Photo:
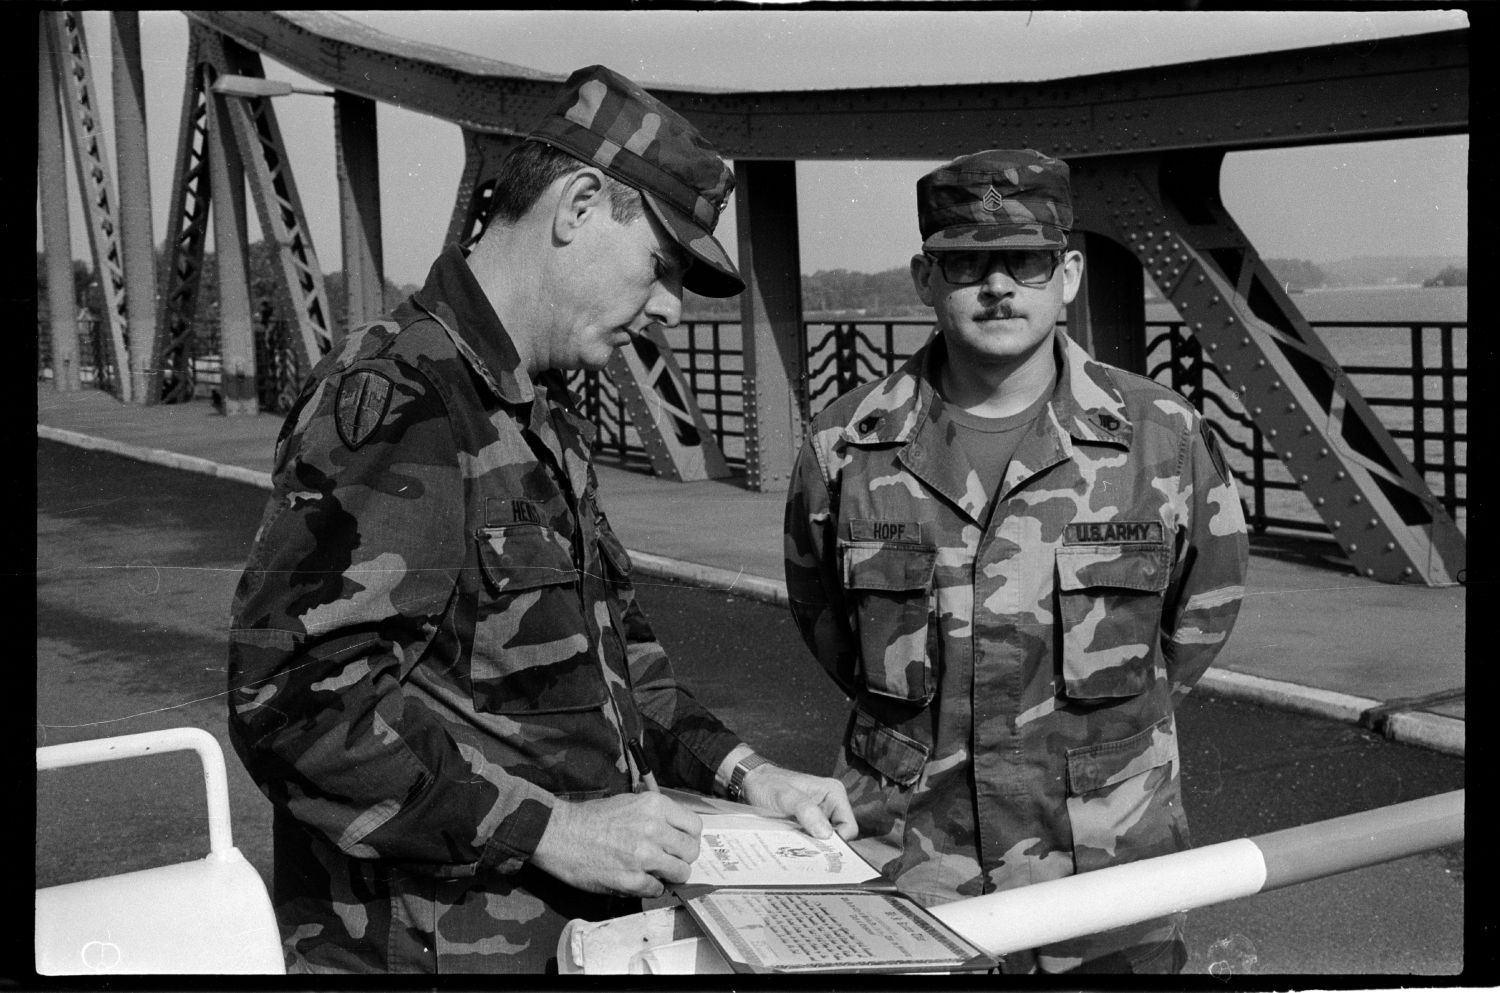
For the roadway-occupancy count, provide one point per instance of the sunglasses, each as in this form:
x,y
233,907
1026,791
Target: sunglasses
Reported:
x,y
1027,266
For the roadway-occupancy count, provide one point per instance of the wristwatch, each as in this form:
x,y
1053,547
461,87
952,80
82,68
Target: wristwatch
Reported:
x,y
736,791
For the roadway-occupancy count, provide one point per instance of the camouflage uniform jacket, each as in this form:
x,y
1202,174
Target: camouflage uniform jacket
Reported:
x,y
435,638
1013,680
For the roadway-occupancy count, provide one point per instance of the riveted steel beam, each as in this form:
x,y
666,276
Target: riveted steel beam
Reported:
x,y
95,180
664,411
1401,87
471,207
232,251
57,238
1167,210
775,378
357,151
187,229
138,248
252,121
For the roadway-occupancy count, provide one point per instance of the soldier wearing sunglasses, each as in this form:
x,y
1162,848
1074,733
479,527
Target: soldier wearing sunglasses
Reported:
x,y
1015,561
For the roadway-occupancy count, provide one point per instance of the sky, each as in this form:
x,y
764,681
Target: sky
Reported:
x,y
1318,203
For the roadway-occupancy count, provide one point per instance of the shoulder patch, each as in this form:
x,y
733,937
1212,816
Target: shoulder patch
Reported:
x,y
363,400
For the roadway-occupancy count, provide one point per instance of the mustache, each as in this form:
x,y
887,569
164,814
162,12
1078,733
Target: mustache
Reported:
x,y
997,313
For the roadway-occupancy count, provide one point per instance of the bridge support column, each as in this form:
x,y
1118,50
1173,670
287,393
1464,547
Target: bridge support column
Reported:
x,y
1166,208
236,334
775,378
95,183
359,209
136,239
57,238
483,154
1108,316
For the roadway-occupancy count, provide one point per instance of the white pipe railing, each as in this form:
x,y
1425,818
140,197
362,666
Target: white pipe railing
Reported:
x,y
1074,906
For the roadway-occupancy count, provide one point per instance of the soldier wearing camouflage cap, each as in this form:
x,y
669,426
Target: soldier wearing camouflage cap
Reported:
x,y
1015,560
439,673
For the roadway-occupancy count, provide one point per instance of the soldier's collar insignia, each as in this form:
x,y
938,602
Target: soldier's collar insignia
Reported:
x,y
363,400
992,200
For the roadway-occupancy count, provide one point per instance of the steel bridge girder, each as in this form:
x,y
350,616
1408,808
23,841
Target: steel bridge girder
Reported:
x,y
1378,507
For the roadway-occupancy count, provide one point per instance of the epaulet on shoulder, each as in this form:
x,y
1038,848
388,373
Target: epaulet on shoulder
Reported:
x,y
1143,391
368,341
840,411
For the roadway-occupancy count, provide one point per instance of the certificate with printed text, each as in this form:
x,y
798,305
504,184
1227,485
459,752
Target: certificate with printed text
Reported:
x,y
830,930
744,846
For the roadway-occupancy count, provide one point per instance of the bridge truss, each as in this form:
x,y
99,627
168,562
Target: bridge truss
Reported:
x,y
1145,146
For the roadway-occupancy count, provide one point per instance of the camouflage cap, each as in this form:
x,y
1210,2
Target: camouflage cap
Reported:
x,y
609,121
999,198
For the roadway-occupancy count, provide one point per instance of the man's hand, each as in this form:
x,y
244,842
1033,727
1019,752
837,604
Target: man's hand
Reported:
x,y
820,804
625,844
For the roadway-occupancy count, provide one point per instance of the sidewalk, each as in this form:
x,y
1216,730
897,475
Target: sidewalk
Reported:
x,y
1312,636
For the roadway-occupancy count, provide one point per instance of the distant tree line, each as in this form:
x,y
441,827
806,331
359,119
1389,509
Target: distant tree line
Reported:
x,y
1297,274
1453,275
261,264
834,291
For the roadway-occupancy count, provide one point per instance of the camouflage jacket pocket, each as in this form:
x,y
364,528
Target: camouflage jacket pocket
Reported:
x,y
531,646
891,586
898,758
1125,798
1109,612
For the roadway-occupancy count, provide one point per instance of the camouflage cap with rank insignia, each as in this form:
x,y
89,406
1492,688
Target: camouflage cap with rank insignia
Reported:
x,y
608,121
999,198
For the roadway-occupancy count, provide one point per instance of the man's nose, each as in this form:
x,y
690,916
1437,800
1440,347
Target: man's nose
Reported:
x,y
997,281
665,306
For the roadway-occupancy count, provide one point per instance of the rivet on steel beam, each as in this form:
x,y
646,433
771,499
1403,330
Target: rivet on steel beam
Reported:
x,y
1244,342
1260,363
1256,411
1358,499
1271,433
1198,326
1374,522
1307,429
1337,524
1275,384
1291,408
1303,477
1406,571
1230,319
1369,571
1319,501
1353,547
1213,346
1286,457
1322,452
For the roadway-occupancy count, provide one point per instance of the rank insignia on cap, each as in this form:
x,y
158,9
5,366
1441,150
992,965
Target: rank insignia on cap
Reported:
x,y
364,396
992,200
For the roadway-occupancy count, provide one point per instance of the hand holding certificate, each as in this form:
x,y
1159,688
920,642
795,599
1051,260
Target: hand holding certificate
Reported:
x,y
772,898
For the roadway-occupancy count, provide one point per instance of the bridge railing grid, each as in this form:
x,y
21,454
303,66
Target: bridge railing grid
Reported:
x,y
1417,385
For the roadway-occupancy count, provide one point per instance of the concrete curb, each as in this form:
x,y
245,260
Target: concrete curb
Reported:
x,y
1434,731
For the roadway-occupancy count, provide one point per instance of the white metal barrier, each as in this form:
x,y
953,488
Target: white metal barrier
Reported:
x,y
206,917
667,941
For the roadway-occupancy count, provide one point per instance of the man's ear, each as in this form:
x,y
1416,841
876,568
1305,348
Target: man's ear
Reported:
x,y
921,277
1072,267
582,194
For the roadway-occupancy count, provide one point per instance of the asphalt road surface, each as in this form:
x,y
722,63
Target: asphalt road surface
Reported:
x,y
136,566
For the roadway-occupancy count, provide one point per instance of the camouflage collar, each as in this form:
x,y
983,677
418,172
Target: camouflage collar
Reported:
x,y
455,300
1086,401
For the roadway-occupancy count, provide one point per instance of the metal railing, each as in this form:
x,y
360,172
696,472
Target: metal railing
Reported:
x,y
1421,397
